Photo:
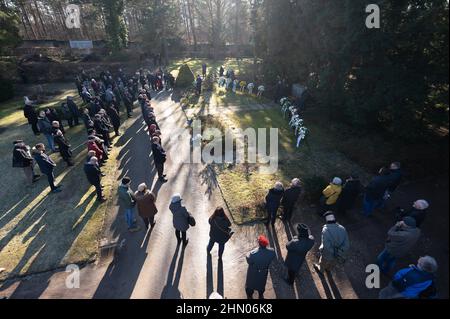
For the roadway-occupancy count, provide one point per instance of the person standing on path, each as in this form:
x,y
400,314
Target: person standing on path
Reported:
x,y
259,261
401,239
159,157
335,244
375,192
46,165
330,195
198,84
350,192
73,108
220,231
297,249
273,199
204,69
31,115
22,158
127,201
45,127
63,147
180,219
145,202
290,198
94,175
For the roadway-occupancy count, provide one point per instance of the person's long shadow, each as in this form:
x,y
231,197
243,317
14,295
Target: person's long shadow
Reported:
x,y
171,290
210,277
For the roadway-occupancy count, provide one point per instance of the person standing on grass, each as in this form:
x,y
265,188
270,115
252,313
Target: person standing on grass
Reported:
x,y
73,108
102,129
94,175
220,231
145,201
350,192
31,115
114,117
45,127
375,192
331,194
401,239
86,117
335,244
273,199
159,158
22,158
180,219
63,147
127,201
204,68
198,85
413,282
297,249
46,165
290,198
258,261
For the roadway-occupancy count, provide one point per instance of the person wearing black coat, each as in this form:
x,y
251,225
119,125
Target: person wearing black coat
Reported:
x,y
395,177
46,165
114,117
297,249
418,211
102,129
53,116
159,157
375,191
22,158
220,231
273,199
63,147
290,197
94,175
32,116
88,123
73,109
350,192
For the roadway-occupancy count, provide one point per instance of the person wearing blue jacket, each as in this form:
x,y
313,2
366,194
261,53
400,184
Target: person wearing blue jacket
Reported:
x,y
414,282
46,165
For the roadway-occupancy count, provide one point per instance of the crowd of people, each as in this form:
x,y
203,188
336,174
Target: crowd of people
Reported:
x,y
103,96
228,80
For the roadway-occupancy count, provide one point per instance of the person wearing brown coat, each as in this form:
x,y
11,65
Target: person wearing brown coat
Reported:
x,y
145,201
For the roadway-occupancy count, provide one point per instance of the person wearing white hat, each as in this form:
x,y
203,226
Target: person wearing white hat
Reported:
x,y
180,219
418,211
145,202
335,244
331,194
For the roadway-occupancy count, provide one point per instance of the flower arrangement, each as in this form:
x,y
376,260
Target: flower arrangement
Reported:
x,y
295,121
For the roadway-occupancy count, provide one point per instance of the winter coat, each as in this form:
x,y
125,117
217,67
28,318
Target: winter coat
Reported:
x,y
44,124
180,216
401,240
273,199
126,197
114,116
92,146
30,113
418,214
220,229
331,193
258,268
63,146
21,156
349,194
335,242
159,154
395,178
145,203
100,127
88,123
377,187
297,249
46,164
93,173
73,108
291,196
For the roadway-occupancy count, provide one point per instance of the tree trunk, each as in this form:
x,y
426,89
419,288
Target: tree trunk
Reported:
x,y
192,23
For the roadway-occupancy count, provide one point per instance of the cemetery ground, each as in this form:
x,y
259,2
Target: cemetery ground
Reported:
x,y
42,233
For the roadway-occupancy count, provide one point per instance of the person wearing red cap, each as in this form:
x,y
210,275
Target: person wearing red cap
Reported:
x,y
258,261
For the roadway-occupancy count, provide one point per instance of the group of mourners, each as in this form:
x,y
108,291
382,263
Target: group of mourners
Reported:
x,y
103,97
229,81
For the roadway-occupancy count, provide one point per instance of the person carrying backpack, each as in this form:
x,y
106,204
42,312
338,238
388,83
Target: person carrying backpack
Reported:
x,y
414,282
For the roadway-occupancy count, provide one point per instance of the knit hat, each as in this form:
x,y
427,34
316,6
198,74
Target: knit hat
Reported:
x,y
337,181
421,204
302,230
176,198
409,221
263,241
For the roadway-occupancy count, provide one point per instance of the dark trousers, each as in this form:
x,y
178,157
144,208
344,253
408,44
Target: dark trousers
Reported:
x,y
181,235
211,245
160,169
291,276
250,292
287,212
149,221
51,180
35,128
98,190
272,216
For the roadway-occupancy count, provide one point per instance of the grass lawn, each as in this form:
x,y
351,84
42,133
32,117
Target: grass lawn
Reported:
x,y
38,231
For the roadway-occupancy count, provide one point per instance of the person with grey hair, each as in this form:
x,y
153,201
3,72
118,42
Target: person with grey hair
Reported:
x,y
335,244
401,239
414,282
145,202
418,211
94,175
290,198
273,200
180,219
